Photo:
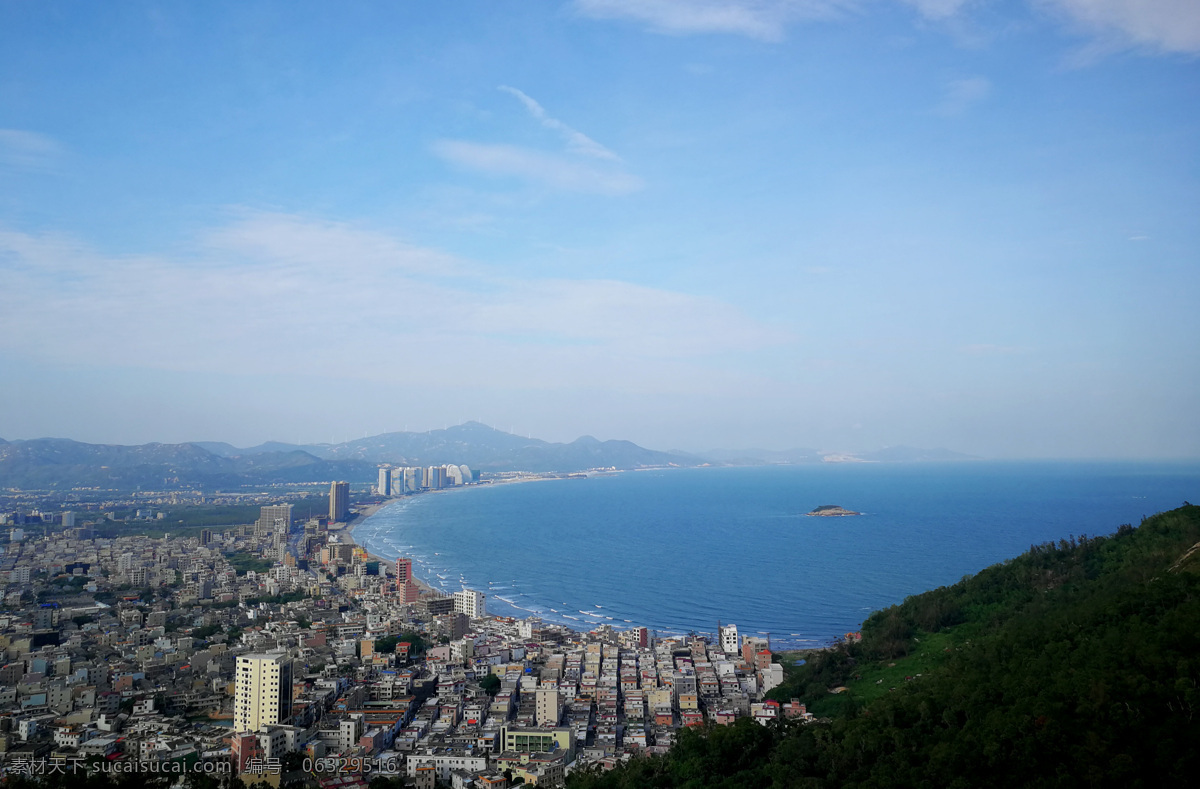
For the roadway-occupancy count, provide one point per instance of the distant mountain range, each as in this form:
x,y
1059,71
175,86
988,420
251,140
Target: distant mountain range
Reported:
x,y
59,463
476,445
56,463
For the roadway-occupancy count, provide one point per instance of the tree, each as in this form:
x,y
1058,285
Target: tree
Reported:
x,y
416,643
490,683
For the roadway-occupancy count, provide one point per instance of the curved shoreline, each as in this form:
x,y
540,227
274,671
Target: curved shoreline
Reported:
x,y
580,622
575,623
366,512
525,601
370,511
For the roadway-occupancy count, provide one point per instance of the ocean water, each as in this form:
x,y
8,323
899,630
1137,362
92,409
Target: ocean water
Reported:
x,y
677,550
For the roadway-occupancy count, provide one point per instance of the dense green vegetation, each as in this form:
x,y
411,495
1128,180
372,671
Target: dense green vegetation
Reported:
x,y
387,644
416,644
184,520
242,562
188,520
294,596
1075,664
210,516
156,529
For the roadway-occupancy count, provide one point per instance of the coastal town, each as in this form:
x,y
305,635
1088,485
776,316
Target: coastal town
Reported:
x,y
281,651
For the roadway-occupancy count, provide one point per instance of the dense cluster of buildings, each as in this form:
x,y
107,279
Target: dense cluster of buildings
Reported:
x,y
282,651
403,480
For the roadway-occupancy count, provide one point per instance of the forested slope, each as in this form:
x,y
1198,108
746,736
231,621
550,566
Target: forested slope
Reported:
x,y
1075,664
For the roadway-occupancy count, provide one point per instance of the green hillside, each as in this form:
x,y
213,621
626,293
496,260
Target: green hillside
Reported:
x,y
1075,664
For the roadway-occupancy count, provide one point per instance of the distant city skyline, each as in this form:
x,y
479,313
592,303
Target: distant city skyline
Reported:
x,y
692,225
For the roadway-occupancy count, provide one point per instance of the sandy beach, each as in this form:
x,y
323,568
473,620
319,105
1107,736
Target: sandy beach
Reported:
x,y
366,511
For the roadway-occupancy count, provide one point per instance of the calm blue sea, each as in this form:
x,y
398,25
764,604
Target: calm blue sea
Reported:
x,y
678,550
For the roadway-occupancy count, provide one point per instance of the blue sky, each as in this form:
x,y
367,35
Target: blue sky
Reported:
x,y
689,223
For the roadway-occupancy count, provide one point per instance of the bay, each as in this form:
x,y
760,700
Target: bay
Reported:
x,y
677,550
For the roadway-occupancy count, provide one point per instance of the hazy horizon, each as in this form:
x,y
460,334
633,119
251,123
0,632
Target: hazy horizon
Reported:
x,y
749,450
692,225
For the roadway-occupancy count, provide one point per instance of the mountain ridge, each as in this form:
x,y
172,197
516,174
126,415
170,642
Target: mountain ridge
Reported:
x,y
54,463
59,463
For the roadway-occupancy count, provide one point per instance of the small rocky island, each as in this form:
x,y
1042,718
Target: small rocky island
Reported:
x,y
832,511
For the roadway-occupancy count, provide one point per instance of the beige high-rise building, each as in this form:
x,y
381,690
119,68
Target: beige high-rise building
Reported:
x,y
339,501
548,710
273,518
263,695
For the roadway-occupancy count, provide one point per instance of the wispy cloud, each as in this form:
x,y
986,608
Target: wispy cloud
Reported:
x,y
577,141
584,166
22,148
766,20
962,94
300,242
276,293
553,170
1166,26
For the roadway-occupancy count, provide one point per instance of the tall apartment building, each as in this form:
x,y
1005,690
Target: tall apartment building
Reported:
x,y
339,501
263,695
273,518
437,477
547,706
470,602
384,485
729,639
406,587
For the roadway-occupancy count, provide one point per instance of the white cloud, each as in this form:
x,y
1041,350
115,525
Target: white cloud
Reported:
x,y
1169,26
553,170
27,149
275,294
762,19
577,142
293,241
1160,25
962,94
